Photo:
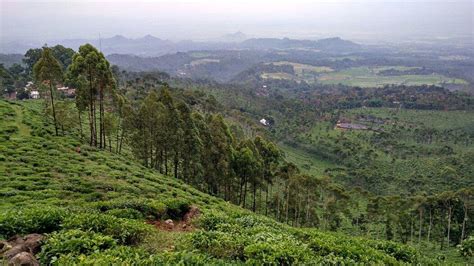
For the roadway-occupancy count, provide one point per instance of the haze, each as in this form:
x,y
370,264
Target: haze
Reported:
x,y
208,20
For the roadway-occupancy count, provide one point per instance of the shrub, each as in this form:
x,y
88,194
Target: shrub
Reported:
x,y
211,220
177,208
269,248
125,231
123,255
400,252
35,219
219,244
466,248
151,208
73,242
125,213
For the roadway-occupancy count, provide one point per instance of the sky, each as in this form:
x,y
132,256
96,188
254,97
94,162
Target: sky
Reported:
x,y
370,20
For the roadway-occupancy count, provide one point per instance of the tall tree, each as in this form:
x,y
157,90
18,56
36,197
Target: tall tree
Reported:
x,y
48,70
95,69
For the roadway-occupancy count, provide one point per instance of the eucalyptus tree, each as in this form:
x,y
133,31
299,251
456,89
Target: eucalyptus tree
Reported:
x,y
270,155
48,70
95,69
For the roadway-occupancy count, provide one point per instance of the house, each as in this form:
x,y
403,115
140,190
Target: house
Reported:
x,y
34,94
350,126
264,122
66,91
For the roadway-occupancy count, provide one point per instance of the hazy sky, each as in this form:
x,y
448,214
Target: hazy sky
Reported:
x,y
207,19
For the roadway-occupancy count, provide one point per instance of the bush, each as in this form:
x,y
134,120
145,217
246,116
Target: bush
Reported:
x,y
466,248
211,220
73,242
219,244
177,208
148,208
125,231
35,219
123,255
126,213
280,249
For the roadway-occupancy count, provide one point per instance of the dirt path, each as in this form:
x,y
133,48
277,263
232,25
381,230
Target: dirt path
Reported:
x,y
23,130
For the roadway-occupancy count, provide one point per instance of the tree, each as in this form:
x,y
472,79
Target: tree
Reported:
x,y
90,65
218,153
467,198
62,54
246,165
6,81
270,155
191,142
48,70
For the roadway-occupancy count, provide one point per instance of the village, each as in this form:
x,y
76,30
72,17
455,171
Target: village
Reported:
x,y
31,91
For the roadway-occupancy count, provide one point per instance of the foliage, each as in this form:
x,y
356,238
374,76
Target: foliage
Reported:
x,y
466,248
73,242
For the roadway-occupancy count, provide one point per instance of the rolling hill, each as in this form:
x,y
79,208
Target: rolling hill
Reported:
x,y
94,207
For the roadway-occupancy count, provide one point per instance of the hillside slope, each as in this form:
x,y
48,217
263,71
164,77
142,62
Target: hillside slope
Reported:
x,y
95,207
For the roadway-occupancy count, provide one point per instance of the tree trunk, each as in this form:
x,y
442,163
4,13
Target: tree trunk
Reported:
x,y
420,225
176,164
121,141
91,110
463,230
430,225
450,209
307,209
80,125
266,198
254,205
287,200
245,193
52,105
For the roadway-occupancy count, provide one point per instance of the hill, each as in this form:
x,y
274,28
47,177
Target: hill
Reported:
x,y
95,207
330,44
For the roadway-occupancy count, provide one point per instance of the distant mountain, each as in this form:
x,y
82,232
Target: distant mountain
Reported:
x,y
234,37
9,59
151,46
168,63
330,45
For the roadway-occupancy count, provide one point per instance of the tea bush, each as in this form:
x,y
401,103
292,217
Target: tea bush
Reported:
x,y
125,231
34,219
73,242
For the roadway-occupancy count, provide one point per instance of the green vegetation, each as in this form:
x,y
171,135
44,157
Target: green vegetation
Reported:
x,y
384,164
369,77
366,77
49,187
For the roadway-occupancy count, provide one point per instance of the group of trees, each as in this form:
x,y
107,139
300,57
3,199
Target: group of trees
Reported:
x,y
15,77
445,217
167,135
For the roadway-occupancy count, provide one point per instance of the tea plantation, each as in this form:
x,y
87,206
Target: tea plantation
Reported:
x,y
98,208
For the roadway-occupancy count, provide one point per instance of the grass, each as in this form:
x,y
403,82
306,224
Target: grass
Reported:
x,y
94,206
306,161
359,76
300,68
203,61
368,77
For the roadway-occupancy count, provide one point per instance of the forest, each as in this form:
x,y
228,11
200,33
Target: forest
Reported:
x,y
406,179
